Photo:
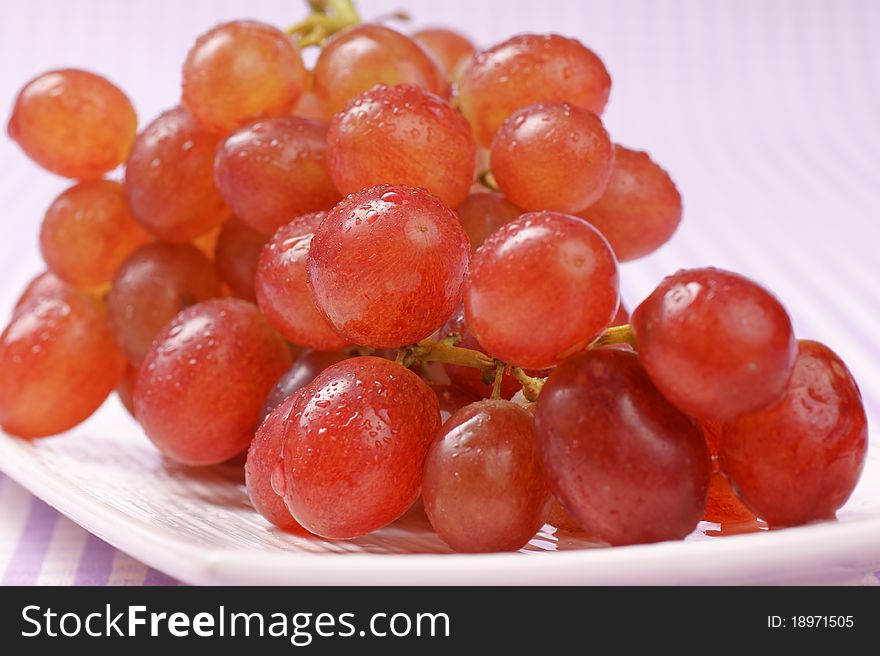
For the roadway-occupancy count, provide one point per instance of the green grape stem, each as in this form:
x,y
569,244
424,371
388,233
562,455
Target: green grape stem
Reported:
x,y
445,351
327,18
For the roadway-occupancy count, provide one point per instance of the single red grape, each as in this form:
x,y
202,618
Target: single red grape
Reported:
x,y
203,382
629,467
239,71
799,459
169,178
302,372
715,343
552,157
282,287
58,363
364,56
402,134
45,285
87,233
73,123
540,289
482,214
355,444
482,483
386,265
275,169
528,69
155,283
451,49
236,253
263,459
640,209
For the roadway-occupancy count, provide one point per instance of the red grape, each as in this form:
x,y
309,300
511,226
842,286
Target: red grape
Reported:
x,y
87,233
275,169
451,49
203,382
800,458
263,459
73,123
640,209
402,134
151,287
451,399
355,444
310,106
239,71
628,466
364,56
540,289
716,344
282,287
559,517
45,285
169,178
386,265
58,363
482,214
236,253
482,483
302,372
556,157
528,69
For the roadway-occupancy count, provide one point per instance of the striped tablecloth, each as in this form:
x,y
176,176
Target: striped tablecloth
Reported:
x,y
766,113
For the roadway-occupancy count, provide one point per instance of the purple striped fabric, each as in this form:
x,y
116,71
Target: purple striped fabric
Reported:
x,y
767,115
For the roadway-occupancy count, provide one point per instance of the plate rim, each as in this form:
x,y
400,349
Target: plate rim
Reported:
x,y
712,561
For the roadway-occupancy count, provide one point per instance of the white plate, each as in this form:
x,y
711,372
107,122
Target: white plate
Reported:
x,y
197,526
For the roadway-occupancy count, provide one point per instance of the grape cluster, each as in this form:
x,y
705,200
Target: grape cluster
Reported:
x,y
318,266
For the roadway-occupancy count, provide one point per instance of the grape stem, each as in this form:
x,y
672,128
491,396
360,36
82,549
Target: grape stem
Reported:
x,y
486,179
327,18
445,351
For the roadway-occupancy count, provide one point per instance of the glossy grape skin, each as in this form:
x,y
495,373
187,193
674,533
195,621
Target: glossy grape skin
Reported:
x,y
482,214
73,123
402,134
236,253
364,56
715,343
528,69
275,169
263,457
302,372
559,517
448,47
540,289
451,399
640,209
552,157
239,71
87,232
45,285
125,388
282,287
722,504
58,363
482,483
799,459
355,445
204,380
387,264
155,283
469,378
169,178
628,466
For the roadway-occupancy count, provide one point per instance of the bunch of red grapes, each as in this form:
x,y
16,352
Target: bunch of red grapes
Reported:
x,y
289,251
